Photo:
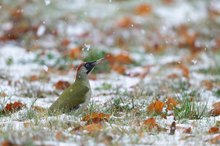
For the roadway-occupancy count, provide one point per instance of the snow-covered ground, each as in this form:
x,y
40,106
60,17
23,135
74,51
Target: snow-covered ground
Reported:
x,y
170,50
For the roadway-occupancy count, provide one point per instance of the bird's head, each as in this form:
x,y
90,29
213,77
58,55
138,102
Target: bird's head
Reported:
x,y
86,67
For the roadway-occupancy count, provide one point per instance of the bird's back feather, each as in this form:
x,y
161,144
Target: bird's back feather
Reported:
x,y
71,98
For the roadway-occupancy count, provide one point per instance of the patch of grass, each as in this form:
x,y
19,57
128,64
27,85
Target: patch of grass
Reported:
x,y
211,70
9,61
217,92
105,86
190,110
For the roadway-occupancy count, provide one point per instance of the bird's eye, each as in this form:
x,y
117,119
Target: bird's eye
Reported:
x,y
87,65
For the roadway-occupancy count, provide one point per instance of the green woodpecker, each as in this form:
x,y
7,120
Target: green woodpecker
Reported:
x,y
77,95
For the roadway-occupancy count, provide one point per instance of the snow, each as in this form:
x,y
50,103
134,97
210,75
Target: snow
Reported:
x,y
17,65
181,12
47,2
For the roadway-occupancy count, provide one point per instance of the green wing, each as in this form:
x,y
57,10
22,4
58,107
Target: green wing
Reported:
x,y
70,99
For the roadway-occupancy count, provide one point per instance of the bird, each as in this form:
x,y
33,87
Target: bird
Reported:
x,y
77,95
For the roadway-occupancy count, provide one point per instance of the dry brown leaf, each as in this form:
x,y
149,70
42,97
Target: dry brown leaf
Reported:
x,y
125,22
216,110
3,94
13,107
213,130
61,85
156,107
185,70
96,117
143,9
215,140
151,124
75,53
8,143
187,130
122,58
33,78
208,84
173,76
60,136
39,109
65,42
94,127
118,68
171,103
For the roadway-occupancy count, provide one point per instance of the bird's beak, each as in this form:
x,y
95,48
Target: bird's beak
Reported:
x,y
91,65
99,61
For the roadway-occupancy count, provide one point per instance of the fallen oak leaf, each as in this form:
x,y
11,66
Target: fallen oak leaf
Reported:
x,y
150,124
13,107
61,85
213,130
75,53
96,117
208,84
143,9
8,143
122,58
118,68
3,94
216,110
125,22
215,140
33,78
60,136
156,107
94,127
185,70
171,103
187,130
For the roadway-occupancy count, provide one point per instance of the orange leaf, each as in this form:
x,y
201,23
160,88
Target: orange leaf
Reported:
x,y
171,103
150,124
75,53
216,110
187,130
12,107
123,58
3,94
118,68
125,22
60,136
156,107
143,9
208,84
94,127
33,78
8,143
215,140
96,117
185,70
173,76
213,130
61,85
65,42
